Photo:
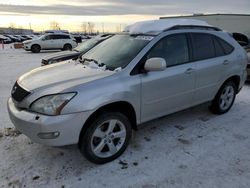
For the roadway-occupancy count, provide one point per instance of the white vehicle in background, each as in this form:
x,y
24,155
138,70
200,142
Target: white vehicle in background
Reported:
x,y
57,31
50,42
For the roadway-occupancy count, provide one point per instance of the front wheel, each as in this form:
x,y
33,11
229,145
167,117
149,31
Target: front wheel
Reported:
x,y
224,98
35,48
106,138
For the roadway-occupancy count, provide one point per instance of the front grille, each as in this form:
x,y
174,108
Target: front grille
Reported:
x,y
18,93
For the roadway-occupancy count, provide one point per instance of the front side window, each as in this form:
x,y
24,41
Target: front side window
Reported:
x,y
48,37
173,48
203,47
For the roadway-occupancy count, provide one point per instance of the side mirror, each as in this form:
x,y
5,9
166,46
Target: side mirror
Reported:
x,y
155,64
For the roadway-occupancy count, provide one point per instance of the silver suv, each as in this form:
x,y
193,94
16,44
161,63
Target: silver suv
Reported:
x,y
153,69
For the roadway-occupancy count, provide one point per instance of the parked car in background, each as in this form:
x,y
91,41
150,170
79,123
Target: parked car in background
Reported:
x,y
27,37
57,31
21,39
241,39
153,69
248,65
13,38
76,52
244,41
77,37
50,42
5,40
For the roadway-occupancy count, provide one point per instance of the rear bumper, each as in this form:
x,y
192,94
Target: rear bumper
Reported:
x,y
67,127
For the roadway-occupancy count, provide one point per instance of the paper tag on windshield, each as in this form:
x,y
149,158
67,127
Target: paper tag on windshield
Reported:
x,y
141,37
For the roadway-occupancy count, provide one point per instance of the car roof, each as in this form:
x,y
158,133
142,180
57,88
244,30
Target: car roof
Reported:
x,y
155,27
57,34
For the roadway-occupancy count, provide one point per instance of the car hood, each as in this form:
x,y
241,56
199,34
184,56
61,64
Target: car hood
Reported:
x,y
61,76
59,55
27,41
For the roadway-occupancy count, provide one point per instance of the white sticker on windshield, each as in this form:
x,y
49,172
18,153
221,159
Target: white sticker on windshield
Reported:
x,y
141,37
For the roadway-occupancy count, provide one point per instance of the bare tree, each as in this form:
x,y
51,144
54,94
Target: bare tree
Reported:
x,y
91,27
84,27
12,25
54,25
119,28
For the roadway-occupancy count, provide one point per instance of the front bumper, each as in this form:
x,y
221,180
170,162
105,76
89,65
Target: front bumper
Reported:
x,y
32,124
26,47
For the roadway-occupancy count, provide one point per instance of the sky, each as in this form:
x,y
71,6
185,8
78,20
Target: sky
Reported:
x,y
110,15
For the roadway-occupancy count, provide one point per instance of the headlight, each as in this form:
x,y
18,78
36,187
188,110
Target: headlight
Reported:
x,y
51,104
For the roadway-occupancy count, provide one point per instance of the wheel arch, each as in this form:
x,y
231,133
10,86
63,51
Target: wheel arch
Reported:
x,y
235,79
121,106
35,44
67,44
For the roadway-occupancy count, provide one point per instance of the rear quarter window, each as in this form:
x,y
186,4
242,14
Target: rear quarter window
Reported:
x,y
227,48
218,48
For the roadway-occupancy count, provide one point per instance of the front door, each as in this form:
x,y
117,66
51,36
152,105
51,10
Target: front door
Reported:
x,y
171,90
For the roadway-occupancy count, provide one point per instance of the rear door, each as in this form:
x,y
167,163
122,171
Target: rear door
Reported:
x,y
211,64
168,91
61,40
48,42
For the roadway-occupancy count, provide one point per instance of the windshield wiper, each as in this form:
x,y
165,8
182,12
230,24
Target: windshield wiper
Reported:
x,y
88,60
95,61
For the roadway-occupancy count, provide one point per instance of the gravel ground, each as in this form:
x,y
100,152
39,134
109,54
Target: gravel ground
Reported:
x,y
192,148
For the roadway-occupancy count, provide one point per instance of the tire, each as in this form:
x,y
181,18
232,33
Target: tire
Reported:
x,y
67,47
35,48
224,99
106,138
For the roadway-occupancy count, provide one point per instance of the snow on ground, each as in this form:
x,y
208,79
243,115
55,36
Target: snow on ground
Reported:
x,y
192,148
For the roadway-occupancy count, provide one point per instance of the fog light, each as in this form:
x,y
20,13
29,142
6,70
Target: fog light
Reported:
x,y
51,135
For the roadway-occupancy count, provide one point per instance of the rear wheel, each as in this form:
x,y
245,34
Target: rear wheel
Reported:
x,y
106,138
224,98
35,48
67,47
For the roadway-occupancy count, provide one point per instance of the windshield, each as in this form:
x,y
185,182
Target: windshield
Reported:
x,y
42,36
117,51
86,46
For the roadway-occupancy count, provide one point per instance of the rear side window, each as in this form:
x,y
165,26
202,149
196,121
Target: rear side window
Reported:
x,y
61,37
203,46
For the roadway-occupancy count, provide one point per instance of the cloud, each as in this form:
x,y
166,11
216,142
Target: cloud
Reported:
x,y
138,7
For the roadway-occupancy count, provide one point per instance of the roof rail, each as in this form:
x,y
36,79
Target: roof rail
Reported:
x,y
201,27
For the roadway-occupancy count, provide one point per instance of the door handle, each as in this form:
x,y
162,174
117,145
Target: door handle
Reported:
x,y
189,71
226,62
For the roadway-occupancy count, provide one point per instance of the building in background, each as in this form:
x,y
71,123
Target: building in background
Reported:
x,y
15,31
234,23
